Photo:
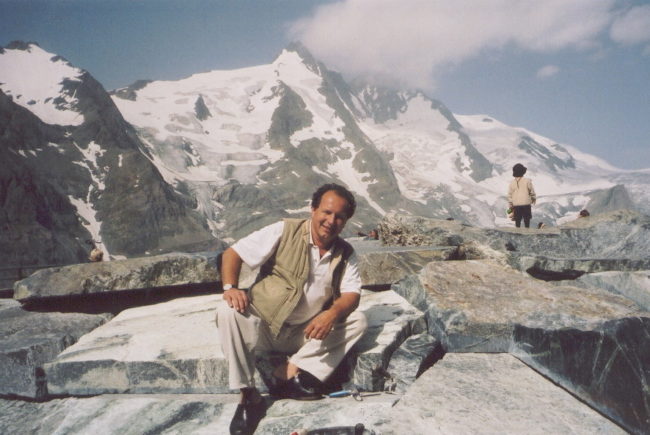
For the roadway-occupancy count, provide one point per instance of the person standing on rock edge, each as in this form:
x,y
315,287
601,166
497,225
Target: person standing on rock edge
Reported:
x,y
521,195
302,304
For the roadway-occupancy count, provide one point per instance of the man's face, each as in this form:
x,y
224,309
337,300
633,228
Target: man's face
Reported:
x,y
328,219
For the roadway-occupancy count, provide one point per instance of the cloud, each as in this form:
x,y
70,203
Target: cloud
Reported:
x,y
547,71
632,27
410,42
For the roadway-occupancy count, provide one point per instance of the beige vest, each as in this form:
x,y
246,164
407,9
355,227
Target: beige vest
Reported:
x,y
282,278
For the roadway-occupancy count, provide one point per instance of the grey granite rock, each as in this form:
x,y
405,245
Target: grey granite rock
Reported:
x,y
556,269
586,339
404,230
462,393
472,306
632,285
414,356
120,415
385,265
121,275
607,366
286,416
391,320
173,347
614,239
489,394
186,274
28,340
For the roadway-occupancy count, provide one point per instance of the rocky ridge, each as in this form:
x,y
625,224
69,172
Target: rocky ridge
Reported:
x,y
463,342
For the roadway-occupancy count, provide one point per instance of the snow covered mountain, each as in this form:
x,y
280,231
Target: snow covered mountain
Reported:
x,y
252,143
71,169
222,153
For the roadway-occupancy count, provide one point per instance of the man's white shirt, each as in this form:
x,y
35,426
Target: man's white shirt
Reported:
x,y
258,247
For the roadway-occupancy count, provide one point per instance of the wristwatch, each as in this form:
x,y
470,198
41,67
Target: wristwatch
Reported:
x,y
227,287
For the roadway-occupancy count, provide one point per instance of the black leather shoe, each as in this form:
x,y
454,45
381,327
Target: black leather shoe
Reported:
x,y
246,418
296,388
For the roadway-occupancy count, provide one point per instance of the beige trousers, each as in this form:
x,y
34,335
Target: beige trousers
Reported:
x,y
244,335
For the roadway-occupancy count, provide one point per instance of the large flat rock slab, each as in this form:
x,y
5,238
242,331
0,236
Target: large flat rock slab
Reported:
x,y
594,343
473,306
167,276
135,414
490,394
120,415
462,393
286,416
632,285
28,340
387,265
173,347
157,271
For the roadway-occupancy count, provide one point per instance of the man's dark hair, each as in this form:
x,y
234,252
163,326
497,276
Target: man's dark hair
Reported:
x,y
340,191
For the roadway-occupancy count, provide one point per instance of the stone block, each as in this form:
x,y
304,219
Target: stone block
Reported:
x,y
385,266
632,285
607,366
131,414
173,347
411,359
165,270
391,320
490,393
28,340
567,333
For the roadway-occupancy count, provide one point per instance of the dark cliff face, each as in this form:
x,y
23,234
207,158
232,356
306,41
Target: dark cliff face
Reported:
x,y
47,171
135,194
38,225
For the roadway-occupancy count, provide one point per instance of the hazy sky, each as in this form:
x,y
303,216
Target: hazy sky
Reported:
x,y
577,71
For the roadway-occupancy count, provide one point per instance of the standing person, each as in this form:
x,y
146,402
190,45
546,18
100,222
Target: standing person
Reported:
x,y
521,195
303,303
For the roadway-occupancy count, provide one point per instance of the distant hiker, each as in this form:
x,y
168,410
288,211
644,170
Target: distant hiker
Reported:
x,y
302,304
521,195
96,254
583,213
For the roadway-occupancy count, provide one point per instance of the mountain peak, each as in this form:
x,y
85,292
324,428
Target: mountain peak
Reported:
x,y
305,55
38,80
21,45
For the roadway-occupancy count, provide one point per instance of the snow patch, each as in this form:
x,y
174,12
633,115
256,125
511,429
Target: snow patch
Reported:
x,y
35,81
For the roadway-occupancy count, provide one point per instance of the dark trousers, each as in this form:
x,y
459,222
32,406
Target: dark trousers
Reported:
x,y
523,212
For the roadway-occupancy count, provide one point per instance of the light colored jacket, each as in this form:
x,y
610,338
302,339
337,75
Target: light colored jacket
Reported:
x,y
521,192
281,280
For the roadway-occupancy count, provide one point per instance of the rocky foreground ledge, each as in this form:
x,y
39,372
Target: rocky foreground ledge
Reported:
x,y
477,345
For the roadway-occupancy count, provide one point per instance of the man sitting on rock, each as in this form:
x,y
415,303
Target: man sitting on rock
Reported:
x,y
302,303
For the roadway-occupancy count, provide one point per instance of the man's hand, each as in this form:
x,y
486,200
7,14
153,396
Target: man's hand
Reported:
x,y
321,325
237,299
